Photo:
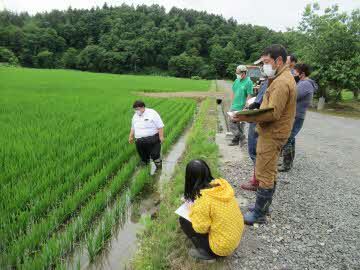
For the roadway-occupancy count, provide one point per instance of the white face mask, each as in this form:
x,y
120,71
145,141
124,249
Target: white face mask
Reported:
x,y
238,76
139,113
268,70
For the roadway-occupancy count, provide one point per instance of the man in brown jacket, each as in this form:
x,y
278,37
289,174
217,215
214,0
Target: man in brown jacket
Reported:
x,y
273,127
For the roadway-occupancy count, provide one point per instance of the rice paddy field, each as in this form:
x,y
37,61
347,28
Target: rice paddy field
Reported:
x,y
65,157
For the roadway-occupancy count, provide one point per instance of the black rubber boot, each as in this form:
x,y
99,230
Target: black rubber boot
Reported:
x,y
158,164
262,204
251,208
235,141
292,153
288,158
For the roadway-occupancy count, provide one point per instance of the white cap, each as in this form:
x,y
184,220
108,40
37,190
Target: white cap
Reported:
x,y
241,68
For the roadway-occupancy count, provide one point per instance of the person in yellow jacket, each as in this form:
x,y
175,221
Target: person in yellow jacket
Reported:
x,y
216,223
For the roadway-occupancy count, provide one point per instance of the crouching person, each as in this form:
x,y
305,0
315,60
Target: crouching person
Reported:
x,y
216,223
148,130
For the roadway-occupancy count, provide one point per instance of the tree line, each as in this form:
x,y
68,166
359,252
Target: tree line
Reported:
x,y
181,42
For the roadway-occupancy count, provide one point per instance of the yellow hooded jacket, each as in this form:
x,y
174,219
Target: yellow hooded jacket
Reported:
x,y
217,213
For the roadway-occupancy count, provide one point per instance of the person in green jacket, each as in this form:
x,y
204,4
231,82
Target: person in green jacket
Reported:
x,y
242,90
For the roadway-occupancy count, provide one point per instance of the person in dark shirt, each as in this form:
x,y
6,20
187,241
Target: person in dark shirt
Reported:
x,y
305,89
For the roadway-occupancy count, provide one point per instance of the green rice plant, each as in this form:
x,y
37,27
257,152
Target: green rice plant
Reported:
x,y
142,179
61,243
41,230
139,182
51,199
63,154
54,197
81,130
91,247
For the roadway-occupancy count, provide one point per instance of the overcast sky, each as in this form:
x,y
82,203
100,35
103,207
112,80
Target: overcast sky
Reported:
x,y
275,14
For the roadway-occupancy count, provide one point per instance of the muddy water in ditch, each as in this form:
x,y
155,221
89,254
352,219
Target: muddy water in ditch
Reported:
x,y
123,245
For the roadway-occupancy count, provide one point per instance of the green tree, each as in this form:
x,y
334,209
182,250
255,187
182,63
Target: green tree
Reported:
x,y
12,37
7,56
331,44
221,58
116,62
143,38
44,59
208,72
91,58
69,58
184,65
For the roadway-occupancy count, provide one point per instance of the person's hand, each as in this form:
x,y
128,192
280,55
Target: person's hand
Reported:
x,y
161,139
239,118
254,105
189,204
131,139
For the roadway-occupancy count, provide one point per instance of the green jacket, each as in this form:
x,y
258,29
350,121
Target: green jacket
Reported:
x,y
241,89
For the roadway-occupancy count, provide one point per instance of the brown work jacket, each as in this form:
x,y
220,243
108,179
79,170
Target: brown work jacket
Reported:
x,y
280,95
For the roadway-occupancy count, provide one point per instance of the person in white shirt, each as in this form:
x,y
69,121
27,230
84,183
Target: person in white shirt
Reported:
x,y
147,129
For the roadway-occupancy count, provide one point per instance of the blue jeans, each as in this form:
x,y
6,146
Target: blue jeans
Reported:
x,y
252,141
289,148
298,123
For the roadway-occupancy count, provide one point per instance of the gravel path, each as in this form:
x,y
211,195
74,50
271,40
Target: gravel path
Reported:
x,y
315,223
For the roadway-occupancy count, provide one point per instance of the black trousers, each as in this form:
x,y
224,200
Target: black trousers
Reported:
x,y
200,241
149,148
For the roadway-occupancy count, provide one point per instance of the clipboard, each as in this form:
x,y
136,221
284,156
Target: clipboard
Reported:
x,y
250,112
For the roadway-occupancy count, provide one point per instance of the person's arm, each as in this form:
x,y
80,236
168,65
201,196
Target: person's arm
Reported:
x,y
200,215
160,126
132,131
232,92
131,136
161,134
277,100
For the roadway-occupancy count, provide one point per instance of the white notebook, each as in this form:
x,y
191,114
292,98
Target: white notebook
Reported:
x,y
183,211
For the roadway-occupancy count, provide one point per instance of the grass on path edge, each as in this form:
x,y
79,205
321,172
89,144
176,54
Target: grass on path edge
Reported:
x,y
348,109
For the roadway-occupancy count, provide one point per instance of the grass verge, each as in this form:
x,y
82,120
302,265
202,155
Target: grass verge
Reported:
x,y
162,245
349,109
